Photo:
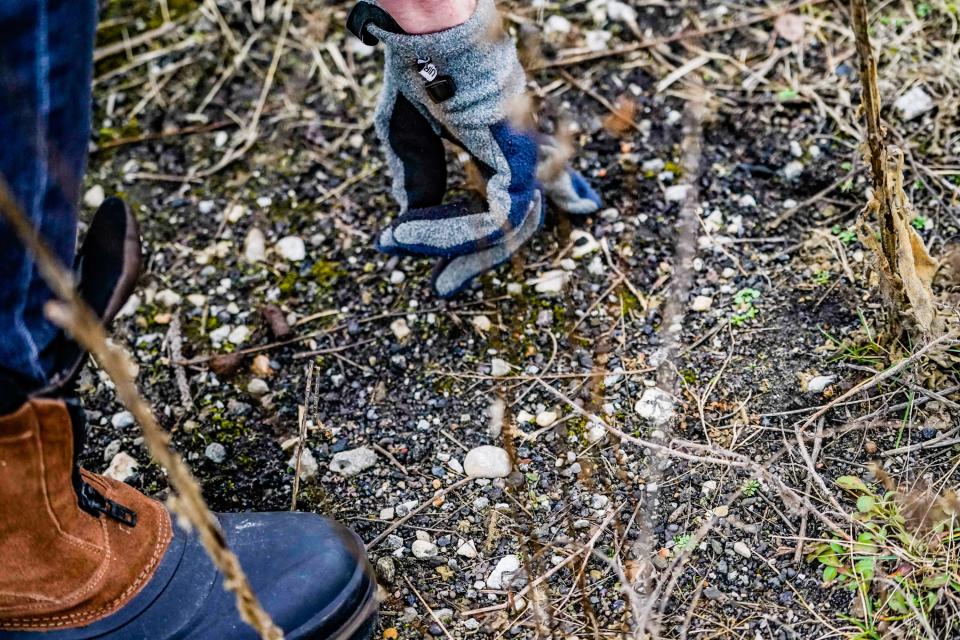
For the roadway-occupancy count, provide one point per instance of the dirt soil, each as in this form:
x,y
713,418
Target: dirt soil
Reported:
x,y
608,528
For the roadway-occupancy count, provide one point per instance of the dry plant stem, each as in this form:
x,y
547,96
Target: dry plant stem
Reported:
x,y
302,437
587,548
79,320
878,378
878,150
398,523
428,608
176,354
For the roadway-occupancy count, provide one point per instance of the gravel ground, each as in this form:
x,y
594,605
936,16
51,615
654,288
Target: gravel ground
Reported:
x,y
553,361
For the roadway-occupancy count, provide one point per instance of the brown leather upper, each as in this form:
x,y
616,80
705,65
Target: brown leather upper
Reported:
x,y
59,565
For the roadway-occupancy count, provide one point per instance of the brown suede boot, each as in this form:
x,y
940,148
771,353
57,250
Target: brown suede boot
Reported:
x,y
84,557
64,566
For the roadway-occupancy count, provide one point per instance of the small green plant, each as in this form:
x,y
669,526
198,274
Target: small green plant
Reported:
x,y
743,307
862,348
750,487
821,277
846,236
786,94
684,542
923,10
902,566
919,223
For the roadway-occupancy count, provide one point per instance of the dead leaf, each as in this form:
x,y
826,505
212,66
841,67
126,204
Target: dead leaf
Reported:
x,y
276,320
620,120
225,365
261,366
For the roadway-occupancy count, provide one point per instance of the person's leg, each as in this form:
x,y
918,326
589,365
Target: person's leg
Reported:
x,y
45,80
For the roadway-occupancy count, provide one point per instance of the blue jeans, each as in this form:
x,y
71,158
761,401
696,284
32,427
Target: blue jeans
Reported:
x,y
46,65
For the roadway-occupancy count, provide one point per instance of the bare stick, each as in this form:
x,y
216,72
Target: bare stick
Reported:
x,y
396,525
73,314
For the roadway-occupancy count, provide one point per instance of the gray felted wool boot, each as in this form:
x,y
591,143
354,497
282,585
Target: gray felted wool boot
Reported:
x,y
460,84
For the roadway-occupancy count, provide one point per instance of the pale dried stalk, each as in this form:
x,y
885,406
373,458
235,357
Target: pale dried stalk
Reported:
x,y
302,436
73,315
905,266
875,132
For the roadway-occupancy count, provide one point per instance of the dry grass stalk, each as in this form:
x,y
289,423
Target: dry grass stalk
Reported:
x,y
302,436
905,267
73,314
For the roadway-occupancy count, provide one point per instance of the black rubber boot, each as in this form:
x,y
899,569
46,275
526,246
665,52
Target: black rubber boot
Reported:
x,y
311,574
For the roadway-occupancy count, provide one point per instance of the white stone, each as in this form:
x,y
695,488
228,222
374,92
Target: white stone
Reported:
x,y
423,549
654,165
292,248
747,200
676,193
524,416
353,461
583,243
387,513
218,335
258,387
167,298
487,461
197,299
130,307
238,335
708,487
122,467
255,246
914,103
94,196
742,549
506,564
556,24
596,267
735,227
596,433
550,282
205,206
701,303
514,288
397,276
467,549
122,420
546,418
597,40
308,464
112,449
793,169
499,367
215,452
235,213
656,405
400,329
818,384
481,323
795,149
